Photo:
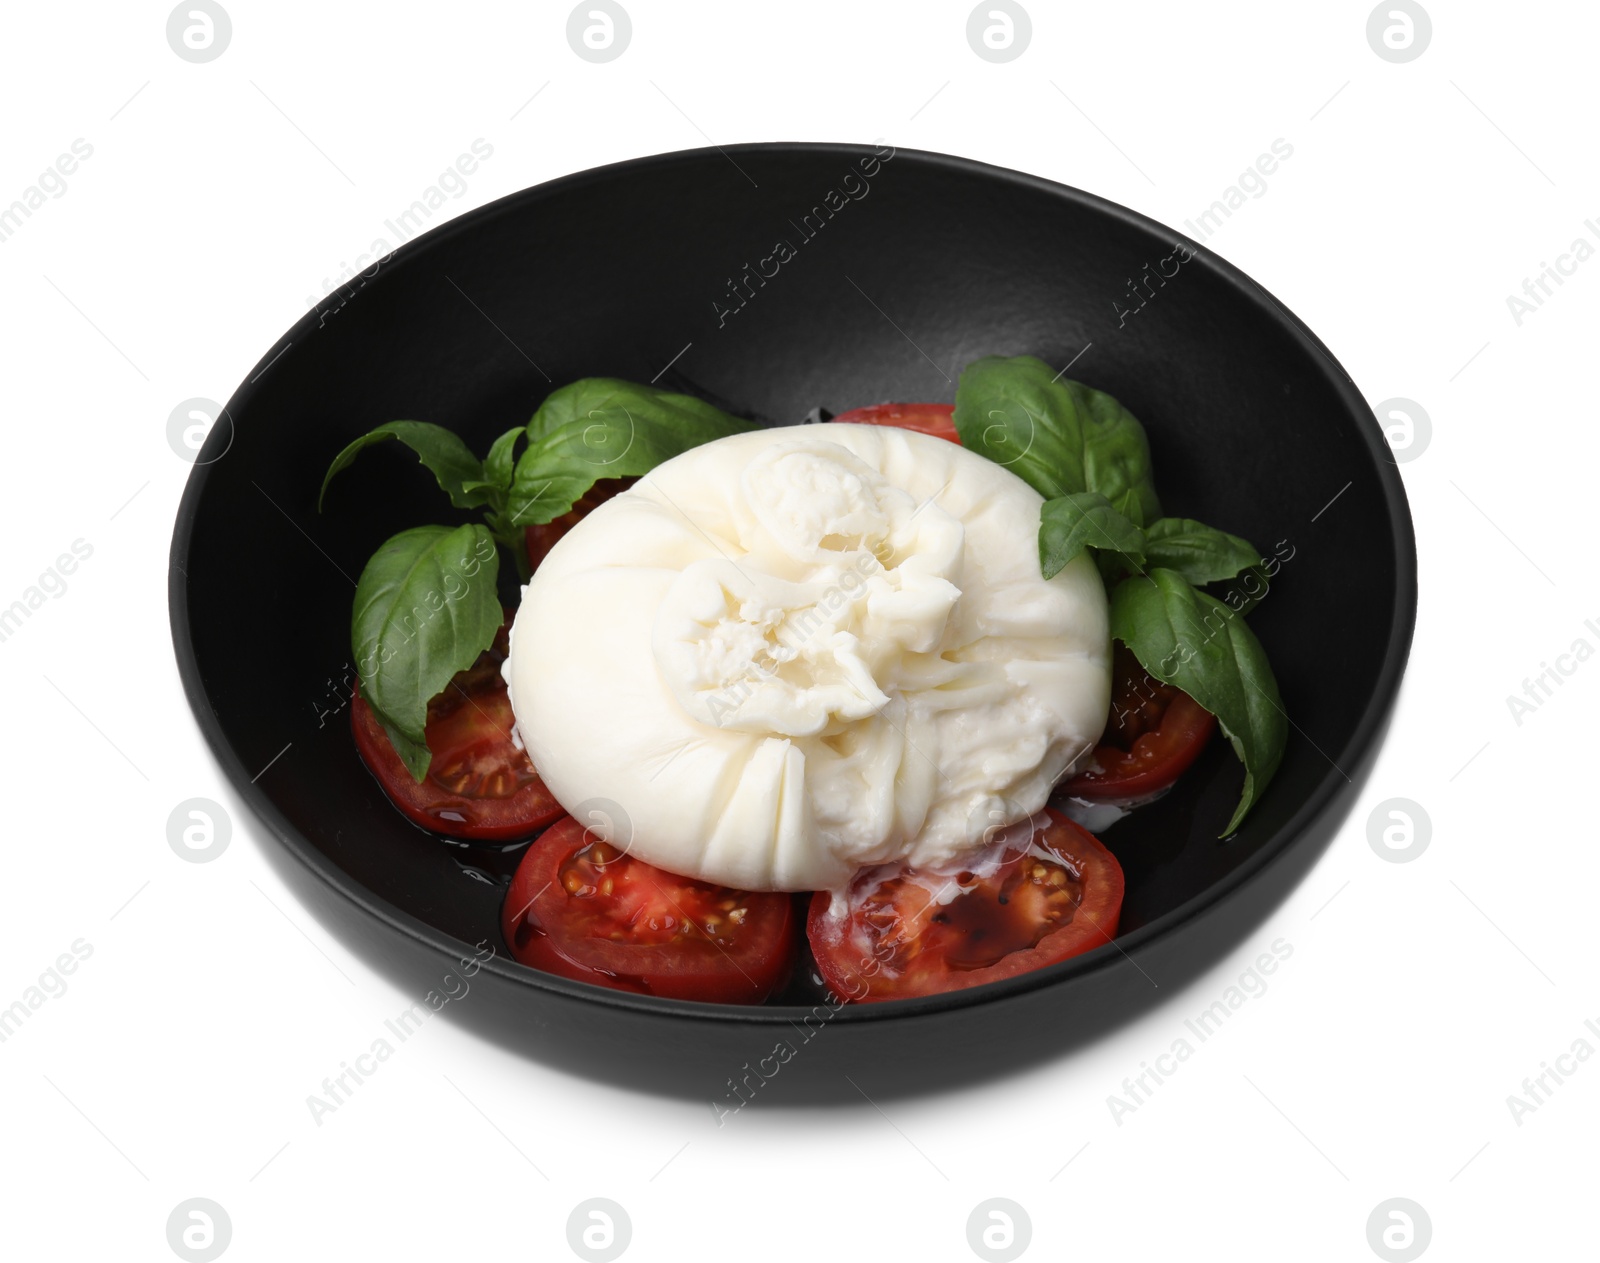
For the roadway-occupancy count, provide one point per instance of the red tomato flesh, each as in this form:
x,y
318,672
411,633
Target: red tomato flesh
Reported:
x,y
582,908
479,784
1154,733
924,418
1044,891
542,538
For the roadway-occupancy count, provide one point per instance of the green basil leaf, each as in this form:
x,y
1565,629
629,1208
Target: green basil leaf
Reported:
x,y
497,468
1195,642
414,754
1069,524
608,403
1200,553
604,428
426,606
1246,590
449,459
1060,437
501,461
1131,507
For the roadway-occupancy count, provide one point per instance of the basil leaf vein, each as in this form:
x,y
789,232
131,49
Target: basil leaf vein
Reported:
x,y
1200,553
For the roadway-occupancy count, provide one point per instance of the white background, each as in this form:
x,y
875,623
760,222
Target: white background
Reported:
x,y
1418,996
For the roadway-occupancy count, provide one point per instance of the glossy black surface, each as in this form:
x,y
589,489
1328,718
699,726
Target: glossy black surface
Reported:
x,y
1253,426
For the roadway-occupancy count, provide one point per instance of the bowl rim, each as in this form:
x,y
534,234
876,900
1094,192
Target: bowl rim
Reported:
x,y
321,867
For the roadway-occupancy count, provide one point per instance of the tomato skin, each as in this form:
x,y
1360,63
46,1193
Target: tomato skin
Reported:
x,y
542,538
1155,732
925,418
582,909
479,785
889,946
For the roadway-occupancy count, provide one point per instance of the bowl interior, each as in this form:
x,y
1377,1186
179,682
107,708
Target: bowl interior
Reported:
x,y
803,276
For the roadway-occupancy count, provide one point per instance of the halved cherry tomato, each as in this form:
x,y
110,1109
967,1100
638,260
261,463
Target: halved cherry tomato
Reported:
x,y
1154,733
582,908
924,418
542,538
1044,890
479,785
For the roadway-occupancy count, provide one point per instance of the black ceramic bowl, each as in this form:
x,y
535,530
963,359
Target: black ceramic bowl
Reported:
x,y
898,270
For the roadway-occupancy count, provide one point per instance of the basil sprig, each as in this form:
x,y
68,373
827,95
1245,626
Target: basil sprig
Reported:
x,y
1088,456
426,604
